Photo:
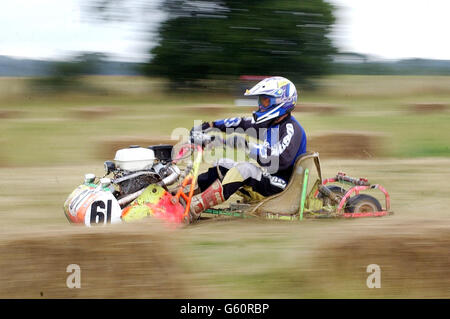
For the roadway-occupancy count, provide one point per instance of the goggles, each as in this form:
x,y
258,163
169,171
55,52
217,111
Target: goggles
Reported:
x,y
264,102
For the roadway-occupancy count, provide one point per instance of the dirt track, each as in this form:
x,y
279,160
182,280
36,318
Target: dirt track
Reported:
x,y
252,259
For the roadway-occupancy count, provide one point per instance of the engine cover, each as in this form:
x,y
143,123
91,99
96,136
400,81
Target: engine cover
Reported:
x,y
134,159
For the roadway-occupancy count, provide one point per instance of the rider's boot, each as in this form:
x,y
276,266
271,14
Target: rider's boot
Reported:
x,y
212,196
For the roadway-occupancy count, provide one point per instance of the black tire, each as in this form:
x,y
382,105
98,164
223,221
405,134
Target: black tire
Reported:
x,y
362,203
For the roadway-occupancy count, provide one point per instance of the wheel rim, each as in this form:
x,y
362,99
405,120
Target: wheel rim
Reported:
x,y
365,208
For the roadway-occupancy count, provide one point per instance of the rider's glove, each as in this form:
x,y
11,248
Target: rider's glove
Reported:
x,y
197,135
237,141
200,128
200,138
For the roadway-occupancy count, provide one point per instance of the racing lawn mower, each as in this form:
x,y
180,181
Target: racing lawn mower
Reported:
x,y
148,182
307,195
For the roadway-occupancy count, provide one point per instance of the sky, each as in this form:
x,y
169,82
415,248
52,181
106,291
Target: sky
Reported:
x,y
54,29
394,28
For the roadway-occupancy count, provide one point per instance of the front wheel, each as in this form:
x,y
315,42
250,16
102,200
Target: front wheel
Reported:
x,y
362,203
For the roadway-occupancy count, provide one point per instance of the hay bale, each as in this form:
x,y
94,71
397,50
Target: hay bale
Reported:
x,y
428,107
6,114
134,262
414,262
94,112
355,145
108,147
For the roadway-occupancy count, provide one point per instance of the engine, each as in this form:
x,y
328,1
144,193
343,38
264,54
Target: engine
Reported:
x,y
136,167
130,183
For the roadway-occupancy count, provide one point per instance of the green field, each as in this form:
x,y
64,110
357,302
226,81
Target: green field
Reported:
x,y
45,129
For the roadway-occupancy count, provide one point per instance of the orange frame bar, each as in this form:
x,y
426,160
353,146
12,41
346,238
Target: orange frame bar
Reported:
x,y
191,180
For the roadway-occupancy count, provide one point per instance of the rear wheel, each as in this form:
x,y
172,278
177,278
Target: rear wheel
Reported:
x,y
362,203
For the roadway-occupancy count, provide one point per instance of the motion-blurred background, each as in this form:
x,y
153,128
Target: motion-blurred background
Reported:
x,y
81,78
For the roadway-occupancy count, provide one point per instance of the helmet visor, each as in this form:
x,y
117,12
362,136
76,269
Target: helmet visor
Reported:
x,y
264,102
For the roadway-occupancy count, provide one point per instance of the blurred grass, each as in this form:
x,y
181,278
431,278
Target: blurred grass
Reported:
x,y
46,128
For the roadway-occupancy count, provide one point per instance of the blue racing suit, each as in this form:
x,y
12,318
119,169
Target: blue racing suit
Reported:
x,y
279,145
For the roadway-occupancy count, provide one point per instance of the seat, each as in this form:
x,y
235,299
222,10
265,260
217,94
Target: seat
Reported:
x,y
288,201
